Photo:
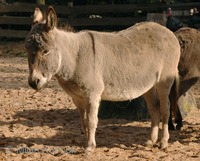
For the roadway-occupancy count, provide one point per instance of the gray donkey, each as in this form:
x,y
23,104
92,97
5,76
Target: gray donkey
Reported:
x,y
93,66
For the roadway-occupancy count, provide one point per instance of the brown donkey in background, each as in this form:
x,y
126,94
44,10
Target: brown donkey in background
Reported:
x,y
189,68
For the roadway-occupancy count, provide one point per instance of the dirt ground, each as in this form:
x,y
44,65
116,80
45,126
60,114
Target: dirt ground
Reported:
x,y
46,126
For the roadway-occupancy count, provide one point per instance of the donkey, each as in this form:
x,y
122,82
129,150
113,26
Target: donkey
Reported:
x,y
93,66
189,67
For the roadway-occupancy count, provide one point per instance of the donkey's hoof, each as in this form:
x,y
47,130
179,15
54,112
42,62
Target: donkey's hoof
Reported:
x,y
179,126
171,127
163,145
149,144
89,149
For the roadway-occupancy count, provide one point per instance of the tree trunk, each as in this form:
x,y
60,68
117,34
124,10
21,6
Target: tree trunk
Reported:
x,y
186,103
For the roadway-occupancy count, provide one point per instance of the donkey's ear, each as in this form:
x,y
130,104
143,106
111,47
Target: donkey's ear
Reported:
x,y
38,17
51,19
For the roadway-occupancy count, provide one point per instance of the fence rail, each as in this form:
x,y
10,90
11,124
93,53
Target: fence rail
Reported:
x,y
16,19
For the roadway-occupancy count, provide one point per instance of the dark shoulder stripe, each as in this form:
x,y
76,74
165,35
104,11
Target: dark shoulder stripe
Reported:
x,y
93,43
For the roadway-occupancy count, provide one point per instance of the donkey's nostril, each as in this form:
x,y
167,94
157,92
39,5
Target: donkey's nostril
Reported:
x,y
34,83
37,81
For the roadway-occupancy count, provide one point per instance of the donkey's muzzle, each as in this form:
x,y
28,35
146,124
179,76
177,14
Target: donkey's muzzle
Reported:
x,y
34,83
37,81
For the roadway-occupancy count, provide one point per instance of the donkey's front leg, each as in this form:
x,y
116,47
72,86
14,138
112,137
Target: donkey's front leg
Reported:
x,y
82,105
82,113
92,118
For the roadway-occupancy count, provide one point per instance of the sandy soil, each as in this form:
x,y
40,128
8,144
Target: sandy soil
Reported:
x,y
46,125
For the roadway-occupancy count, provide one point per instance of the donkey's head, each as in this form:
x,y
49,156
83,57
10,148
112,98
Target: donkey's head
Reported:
x,y
43,58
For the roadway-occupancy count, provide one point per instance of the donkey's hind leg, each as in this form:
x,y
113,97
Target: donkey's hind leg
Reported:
x,y
152,101
163,90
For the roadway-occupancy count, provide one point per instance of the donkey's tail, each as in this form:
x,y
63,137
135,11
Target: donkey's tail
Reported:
x,y
173,97
175,93
177,82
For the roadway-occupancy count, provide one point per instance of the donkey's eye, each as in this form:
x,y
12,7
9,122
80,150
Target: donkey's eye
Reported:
x,y
45,52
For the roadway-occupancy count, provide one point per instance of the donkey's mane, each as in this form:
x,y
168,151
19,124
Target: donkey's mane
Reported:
x,y
67,28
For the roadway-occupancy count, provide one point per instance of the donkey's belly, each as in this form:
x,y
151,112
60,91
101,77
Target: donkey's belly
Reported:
x,y
118,94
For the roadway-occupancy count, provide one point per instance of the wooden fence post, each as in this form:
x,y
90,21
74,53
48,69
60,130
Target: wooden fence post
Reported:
x,y
160,18
70,17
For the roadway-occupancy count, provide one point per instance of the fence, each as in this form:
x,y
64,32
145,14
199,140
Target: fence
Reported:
x,y
16,19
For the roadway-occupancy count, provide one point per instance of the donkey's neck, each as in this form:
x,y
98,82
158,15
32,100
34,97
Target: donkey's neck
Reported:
x,y
67,46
